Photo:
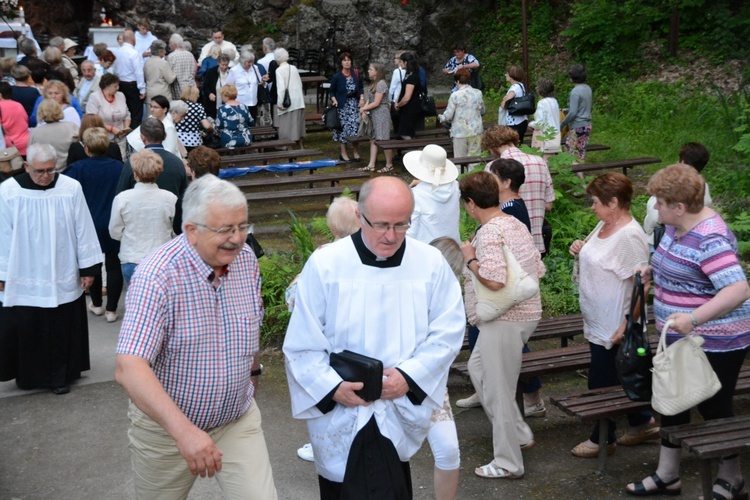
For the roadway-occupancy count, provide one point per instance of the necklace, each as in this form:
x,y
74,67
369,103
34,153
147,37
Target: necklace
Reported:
x,y
616,222
108,99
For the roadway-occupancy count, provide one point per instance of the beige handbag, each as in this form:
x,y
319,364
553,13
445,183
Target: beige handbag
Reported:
x,y
682,375
519,286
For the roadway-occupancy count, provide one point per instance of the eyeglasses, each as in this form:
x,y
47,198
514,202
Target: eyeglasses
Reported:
x,y
46,171
226,230
384,227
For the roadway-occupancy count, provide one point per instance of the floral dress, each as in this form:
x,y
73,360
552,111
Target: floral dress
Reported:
x,y
348,114
233,123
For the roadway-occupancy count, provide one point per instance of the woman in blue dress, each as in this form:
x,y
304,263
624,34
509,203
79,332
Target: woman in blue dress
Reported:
x,y
233,120
347,95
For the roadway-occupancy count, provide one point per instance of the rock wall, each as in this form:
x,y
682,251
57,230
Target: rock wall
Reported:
x,y
373,30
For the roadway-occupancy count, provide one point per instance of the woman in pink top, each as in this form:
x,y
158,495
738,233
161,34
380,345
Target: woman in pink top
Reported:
x,y
15,124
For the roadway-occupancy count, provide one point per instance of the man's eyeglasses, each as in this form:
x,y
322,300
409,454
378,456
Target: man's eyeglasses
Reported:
x,y
226,230
47,171
384,227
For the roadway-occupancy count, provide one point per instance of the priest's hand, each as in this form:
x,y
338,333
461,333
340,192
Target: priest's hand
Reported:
x,y
86,282
200,452
394,386
346,396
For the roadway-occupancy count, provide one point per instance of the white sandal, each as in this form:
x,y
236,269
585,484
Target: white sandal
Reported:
x,y
489,471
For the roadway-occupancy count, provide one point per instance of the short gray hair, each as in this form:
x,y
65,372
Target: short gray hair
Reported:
x,y
281,55
157,46
247,55
178,107
269,43
204,192
27,46
187,46
57,41
41,153
175,39
229,52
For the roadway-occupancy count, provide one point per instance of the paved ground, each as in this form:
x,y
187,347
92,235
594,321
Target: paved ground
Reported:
x,y
75,446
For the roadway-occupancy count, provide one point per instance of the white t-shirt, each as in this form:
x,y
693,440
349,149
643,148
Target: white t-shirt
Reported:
x,y
606,266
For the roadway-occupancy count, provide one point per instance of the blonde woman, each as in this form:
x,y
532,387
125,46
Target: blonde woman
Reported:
x,y
59,134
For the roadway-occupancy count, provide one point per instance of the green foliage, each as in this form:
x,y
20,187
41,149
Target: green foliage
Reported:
x,y
277,271
741,228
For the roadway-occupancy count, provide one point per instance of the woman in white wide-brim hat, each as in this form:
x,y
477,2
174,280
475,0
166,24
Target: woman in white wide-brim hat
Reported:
x,y
436,194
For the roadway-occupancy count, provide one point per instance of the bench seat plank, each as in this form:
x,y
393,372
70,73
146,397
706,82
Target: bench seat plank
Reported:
x,y
332,177
607,165
252,159
300,193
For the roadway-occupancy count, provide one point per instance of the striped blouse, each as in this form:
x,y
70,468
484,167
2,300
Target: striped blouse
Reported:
x,y
689,271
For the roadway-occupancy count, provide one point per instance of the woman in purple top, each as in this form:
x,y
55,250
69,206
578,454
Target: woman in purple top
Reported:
x,y
700,284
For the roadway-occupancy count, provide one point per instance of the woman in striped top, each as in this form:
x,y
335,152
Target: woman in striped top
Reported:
x,y
700,284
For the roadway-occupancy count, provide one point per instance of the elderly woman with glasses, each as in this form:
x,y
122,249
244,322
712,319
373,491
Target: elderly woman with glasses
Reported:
x,y
495,362
247,77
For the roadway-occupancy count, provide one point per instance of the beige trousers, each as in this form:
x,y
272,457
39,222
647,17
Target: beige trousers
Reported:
x,y
467,146
161,473
494,366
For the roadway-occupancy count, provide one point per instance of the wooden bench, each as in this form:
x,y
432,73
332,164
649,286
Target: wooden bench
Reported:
x,y
331,191
332,177
259,146
419,134
712,439
419,143
264,132
610,402
289,155
607,165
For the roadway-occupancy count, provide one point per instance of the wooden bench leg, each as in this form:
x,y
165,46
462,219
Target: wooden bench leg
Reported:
x,y
706,483
603,428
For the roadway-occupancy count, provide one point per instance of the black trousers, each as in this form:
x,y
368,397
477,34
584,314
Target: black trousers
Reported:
x,y
114,283
521,129
133,101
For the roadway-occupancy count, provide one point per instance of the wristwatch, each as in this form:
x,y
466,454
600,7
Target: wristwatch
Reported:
x,y
259,371
693,320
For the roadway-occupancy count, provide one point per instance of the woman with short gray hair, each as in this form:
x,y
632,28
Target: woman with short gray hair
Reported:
x,y
158,74
247,77
290,120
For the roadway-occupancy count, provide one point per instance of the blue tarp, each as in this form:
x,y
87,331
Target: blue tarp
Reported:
x,y
228,173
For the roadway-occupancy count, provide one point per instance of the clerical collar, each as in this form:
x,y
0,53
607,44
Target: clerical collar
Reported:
x,y
24,180
370,259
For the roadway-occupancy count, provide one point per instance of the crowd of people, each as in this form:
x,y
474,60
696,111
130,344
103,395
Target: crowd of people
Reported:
x,y
128,184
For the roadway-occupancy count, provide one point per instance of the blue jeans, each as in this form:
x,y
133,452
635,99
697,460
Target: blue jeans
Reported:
x,y
128,268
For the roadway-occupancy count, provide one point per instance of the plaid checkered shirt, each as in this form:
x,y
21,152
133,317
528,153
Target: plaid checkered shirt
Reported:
x,y
199,339
536,191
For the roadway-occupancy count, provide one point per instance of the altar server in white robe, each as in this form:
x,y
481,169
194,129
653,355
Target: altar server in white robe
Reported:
x,y
49,254
386,296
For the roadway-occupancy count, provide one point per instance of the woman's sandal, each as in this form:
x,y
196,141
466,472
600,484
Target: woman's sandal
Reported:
x,y
662,488
735,492
386,169
367,168
489,471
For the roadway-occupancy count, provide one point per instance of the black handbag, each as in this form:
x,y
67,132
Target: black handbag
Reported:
x,y
634,357
427,105
659,231
523,105
253,243
353,367
331,118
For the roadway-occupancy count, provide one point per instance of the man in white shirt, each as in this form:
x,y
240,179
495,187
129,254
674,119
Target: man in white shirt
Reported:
x,y
128,67
218,39
268,47
87,84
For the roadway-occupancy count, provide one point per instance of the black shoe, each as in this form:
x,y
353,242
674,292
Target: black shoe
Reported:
x,y
342,160
63,389
357,159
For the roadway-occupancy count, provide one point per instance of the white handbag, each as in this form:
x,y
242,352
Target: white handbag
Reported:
x,y
683,377
519,286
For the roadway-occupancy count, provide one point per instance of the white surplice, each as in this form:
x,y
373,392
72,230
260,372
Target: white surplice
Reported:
x,y
410,317
46,236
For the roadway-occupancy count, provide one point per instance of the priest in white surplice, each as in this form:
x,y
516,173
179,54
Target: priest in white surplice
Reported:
x,y
389,297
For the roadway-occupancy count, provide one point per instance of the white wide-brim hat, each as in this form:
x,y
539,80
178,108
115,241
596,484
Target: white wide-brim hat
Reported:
x,y
68,44
431,165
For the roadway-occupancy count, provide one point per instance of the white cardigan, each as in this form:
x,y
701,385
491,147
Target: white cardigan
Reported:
x,y
288,74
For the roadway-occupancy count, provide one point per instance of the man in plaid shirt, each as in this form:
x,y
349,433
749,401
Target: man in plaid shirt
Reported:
x,y
183,66
187,355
